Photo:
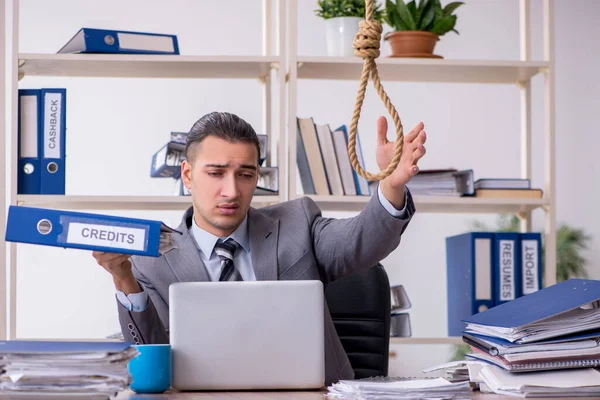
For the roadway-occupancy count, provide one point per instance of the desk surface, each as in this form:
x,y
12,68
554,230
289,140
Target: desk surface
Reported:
x,y
281,395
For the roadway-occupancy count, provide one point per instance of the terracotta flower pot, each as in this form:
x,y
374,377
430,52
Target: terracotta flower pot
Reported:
x,y
412,43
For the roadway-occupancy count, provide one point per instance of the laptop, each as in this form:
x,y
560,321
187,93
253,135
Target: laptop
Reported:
x,y
247,335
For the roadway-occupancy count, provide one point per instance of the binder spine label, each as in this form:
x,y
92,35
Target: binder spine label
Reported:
x,y
483,269
107,236
529,249
507,270
52,125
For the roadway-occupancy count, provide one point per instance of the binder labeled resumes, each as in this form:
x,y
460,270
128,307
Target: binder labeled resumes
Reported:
x,y
90,40
469,259
87,231
41,141
507,280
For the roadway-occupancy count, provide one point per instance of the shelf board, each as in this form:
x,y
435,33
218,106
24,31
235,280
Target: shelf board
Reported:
x,y
421,69
417,340
121,202
146,66
435,204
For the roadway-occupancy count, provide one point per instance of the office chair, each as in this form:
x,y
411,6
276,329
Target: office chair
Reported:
x,y
360,308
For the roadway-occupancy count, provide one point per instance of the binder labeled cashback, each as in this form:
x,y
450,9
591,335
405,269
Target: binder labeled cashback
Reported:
x,y
41,141
87,231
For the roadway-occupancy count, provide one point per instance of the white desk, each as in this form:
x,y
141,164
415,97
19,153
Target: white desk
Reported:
x,y
281,395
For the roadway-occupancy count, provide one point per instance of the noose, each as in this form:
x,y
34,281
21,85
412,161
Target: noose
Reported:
x,y
366,46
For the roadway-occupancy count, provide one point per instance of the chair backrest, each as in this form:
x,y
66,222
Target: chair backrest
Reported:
x,y
360,307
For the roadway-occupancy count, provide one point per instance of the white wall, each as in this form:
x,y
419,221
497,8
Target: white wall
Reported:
x,y
116,124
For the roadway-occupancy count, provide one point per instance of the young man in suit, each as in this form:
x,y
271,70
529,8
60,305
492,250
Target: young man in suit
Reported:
x,y
226,239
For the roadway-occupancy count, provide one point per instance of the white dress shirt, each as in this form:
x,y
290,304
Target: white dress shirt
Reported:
x,y
206,242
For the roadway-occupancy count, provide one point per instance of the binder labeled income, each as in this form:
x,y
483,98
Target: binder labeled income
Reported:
x,y
88,231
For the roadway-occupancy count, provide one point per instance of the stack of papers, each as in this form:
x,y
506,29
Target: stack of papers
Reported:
x,y
572,383
400,388
557,327
443,182
69,368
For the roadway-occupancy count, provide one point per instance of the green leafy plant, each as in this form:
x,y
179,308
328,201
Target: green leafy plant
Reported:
x,y
570,242
427,15
347,8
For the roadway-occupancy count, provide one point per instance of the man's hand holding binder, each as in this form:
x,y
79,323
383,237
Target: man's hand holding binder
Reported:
x,y
119,266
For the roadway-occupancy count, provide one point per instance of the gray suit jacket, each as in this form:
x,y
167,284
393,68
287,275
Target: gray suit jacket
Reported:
x,y
289,241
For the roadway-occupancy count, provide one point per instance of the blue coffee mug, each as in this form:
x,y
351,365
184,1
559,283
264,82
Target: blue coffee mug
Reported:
x,y
151,369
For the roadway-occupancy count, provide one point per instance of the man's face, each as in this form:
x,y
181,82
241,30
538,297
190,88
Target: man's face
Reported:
x,y
222,180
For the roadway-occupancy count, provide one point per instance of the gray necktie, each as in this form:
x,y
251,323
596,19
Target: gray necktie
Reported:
x,y
226,251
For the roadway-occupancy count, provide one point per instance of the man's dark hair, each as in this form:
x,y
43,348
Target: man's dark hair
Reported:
x,y
223,125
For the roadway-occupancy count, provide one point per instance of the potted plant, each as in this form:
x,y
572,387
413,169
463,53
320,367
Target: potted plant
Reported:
x,y
341,21
418,27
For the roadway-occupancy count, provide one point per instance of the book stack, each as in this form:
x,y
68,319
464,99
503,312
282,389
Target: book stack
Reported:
x,y
64,368
556,328
442,182
506,188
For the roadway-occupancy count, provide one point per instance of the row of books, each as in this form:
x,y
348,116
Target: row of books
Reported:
x,y
324,168
323,162
487,269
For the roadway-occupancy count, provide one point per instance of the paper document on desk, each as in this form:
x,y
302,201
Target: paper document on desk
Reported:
x,y
400,388
566,383
64,367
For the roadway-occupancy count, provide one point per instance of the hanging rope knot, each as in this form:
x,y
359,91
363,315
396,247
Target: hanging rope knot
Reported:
x,y
366,46
368,39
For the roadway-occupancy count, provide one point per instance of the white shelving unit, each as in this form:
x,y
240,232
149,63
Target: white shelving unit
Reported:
x,y
272,68
3,297
516,72
268,68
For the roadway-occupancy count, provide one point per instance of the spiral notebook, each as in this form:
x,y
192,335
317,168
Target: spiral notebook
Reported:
x,y
537,365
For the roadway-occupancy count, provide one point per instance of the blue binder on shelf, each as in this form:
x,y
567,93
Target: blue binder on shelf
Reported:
x,y
530,244
52,140
87,231
469,258
507,275
92,40
28,148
